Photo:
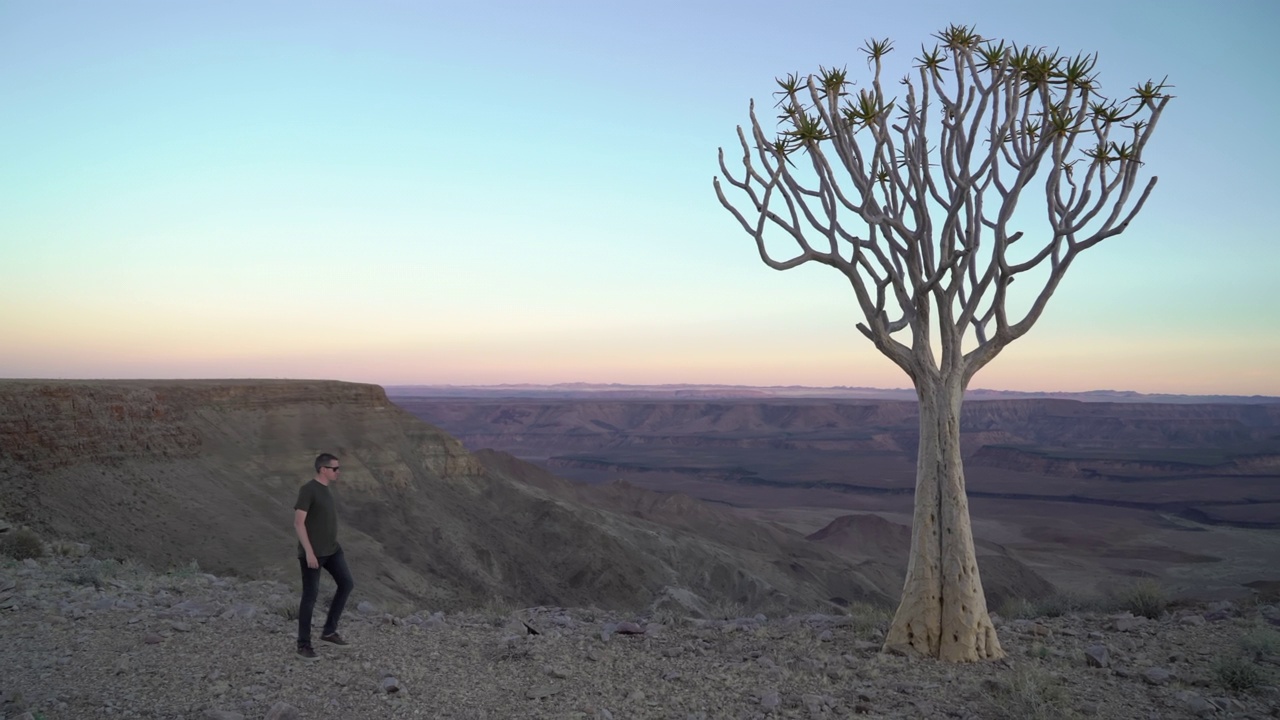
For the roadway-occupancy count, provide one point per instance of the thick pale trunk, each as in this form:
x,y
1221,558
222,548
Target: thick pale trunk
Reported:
x,y
943,611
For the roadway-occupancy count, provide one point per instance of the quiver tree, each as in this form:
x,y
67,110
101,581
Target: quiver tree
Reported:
x,y
914,201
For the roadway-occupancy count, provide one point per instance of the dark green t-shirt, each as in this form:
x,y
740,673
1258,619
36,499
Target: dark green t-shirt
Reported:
x,y
322,518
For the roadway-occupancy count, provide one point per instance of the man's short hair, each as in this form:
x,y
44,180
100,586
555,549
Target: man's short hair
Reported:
x,y
324,459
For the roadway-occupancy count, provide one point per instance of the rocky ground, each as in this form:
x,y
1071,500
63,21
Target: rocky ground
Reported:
x,y
84,638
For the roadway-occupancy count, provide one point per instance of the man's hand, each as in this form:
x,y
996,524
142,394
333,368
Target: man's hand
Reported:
x,y
312,562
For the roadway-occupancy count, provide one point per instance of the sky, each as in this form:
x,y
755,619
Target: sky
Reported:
x,y
513,192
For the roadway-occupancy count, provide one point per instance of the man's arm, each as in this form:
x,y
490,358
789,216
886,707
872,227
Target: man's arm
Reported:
x,y
300,527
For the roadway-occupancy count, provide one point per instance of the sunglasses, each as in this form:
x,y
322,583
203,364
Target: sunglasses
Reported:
x,y
334,468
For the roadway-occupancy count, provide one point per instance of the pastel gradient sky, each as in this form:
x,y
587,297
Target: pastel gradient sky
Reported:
x,y
494,192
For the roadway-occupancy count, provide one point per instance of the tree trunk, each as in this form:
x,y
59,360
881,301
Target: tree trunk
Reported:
x,y
943,611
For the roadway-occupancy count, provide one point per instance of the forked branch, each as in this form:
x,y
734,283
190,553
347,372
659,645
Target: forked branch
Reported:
x,y
916,200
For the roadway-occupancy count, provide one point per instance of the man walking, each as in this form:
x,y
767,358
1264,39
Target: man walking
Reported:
x,y
315,520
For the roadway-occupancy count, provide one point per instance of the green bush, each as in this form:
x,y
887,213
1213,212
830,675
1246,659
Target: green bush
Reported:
x,y
1237,673
21,544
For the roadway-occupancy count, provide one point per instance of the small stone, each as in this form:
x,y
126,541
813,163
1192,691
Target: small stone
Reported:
x,y
826,636
770,700
1129,623
1192,620
1156,676
629,628
390,685
541,692
1197,704
1097,656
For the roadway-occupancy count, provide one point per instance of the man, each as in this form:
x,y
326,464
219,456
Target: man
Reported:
x,y
315,520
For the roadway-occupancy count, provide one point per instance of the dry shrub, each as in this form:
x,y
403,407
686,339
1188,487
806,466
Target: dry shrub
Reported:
x,y
1261,641
287,610
1017,609
1237,673
1068,603
21,544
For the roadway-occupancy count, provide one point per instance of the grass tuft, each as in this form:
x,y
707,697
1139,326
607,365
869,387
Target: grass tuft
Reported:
x,y
1031,694
867,617
1146,598
1052,606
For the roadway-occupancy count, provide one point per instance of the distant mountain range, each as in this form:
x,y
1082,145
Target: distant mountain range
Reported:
x,y
617,391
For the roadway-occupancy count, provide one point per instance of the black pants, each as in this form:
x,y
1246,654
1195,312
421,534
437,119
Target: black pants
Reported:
x,y
336,564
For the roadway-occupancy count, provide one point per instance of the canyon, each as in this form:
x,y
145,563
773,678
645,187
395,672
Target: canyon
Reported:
x,y
1083,494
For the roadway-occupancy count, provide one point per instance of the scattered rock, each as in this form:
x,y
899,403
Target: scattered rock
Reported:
x,y
1129,623
679,601
1097,656
241,663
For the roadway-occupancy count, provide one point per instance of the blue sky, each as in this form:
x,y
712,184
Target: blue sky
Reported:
x,y
401,192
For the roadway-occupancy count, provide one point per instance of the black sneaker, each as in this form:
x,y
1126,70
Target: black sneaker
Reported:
x,y
334,638
307,652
